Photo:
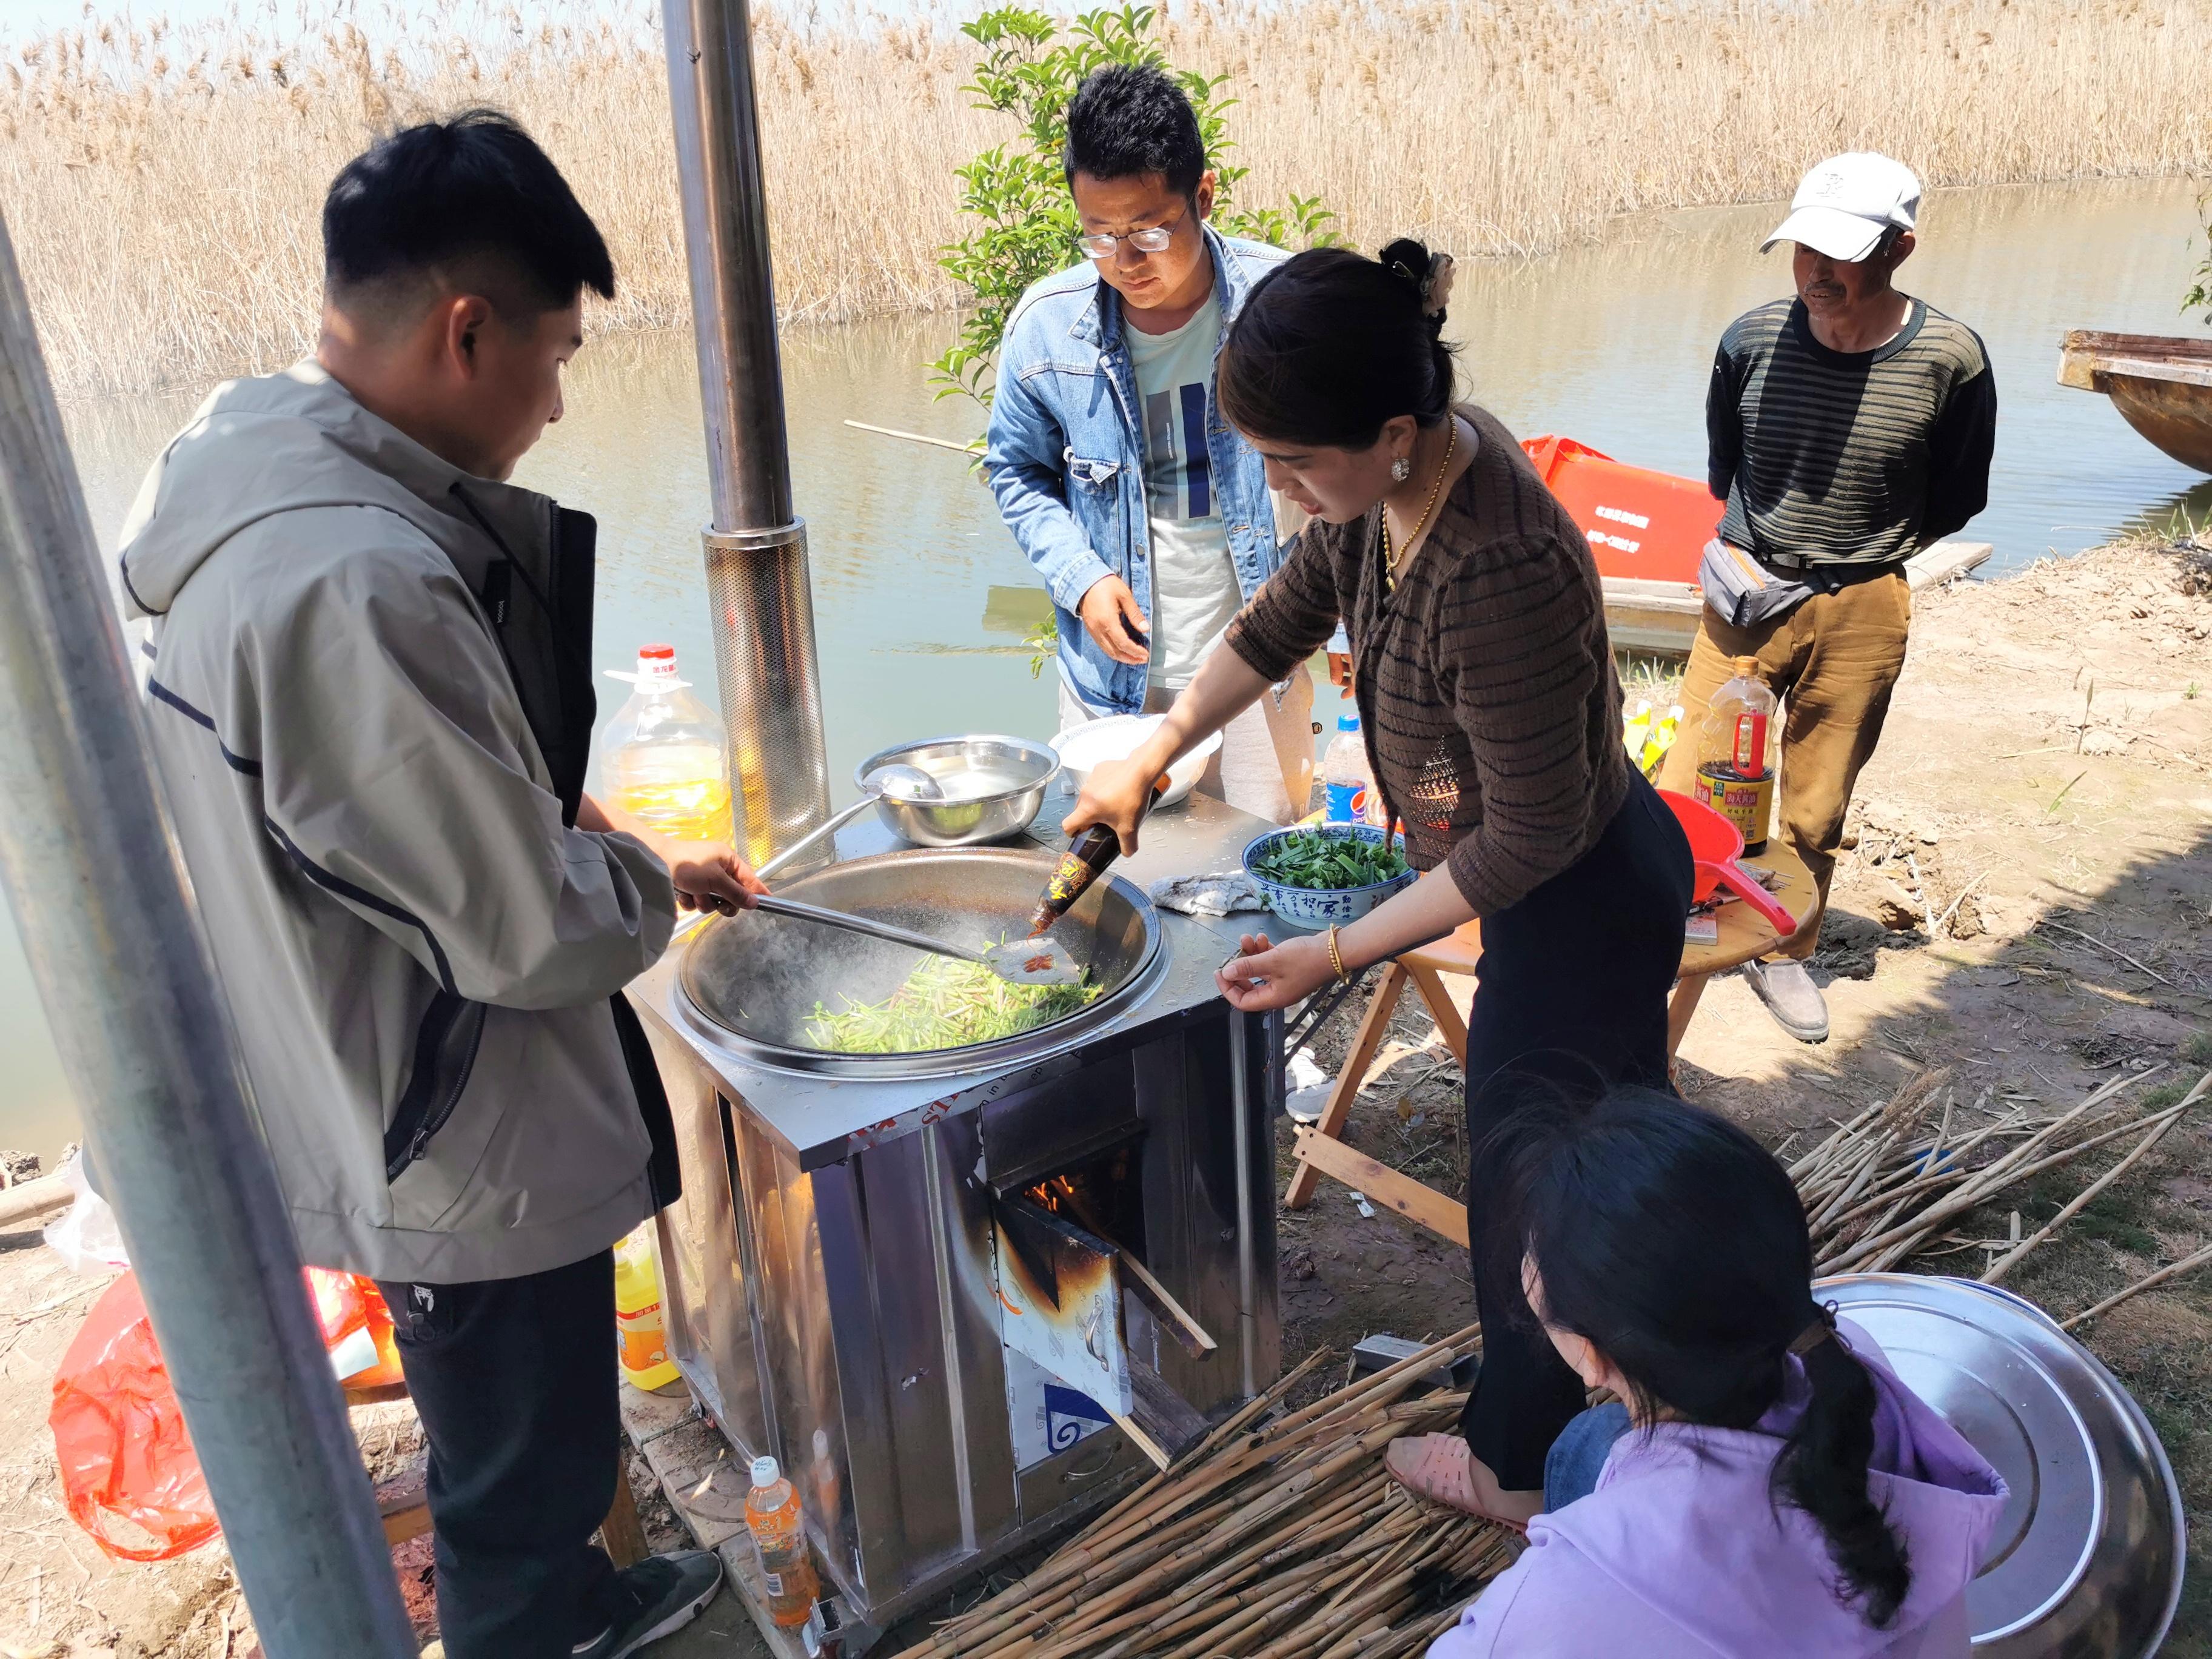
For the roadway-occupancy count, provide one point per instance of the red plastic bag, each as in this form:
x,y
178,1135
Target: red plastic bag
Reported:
x,y
356,1327
127,1465
128,1470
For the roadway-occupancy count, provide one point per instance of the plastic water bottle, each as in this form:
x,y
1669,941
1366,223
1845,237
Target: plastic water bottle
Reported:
x,y
662,754
772,1515
1350,786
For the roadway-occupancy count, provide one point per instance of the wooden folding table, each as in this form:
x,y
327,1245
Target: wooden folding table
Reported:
x,y
1741,936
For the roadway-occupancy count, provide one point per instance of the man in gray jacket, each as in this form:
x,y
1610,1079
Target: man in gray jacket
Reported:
x,y
369,677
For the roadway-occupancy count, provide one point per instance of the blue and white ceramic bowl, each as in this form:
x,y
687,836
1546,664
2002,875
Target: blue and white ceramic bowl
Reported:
x,y
1320,907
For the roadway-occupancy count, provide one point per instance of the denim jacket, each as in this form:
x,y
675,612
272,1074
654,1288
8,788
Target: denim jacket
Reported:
x,y
1065,458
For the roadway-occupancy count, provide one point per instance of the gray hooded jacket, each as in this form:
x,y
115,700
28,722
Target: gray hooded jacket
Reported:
x,y
369,683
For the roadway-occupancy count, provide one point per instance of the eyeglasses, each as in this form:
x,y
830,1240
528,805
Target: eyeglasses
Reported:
x,y
1152,238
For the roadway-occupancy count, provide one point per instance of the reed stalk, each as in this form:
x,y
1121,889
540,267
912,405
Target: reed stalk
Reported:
x,y
163,182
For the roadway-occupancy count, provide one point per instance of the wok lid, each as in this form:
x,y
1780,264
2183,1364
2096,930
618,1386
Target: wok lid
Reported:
x,y
2087,1555
757,982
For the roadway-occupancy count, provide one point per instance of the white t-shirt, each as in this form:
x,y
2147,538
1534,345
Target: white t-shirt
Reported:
x,y
1194,591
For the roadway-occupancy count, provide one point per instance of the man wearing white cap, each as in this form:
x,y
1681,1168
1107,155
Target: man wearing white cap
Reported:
x,y
1847,429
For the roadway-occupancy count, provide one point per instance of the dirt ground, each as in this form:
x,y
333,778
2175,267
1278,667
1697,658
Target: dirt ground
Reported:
x,y
2047,765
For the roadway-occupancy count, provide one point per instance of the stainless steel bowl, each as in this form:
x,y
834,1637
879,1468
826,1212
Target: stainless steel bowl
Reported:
x,y
753,983
2088,1557
992,788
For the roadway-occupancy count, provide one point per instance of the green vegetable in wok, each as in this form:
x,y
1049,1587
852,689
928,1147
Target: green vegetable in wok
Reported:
x,y
1318,861
946,1003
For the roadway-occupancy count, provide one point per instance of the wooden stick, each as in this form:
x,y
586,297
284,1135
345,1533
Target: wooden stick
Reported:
x,y
2149,1281
2090,938
1235,1425
2005,1264
1978,1187
968,448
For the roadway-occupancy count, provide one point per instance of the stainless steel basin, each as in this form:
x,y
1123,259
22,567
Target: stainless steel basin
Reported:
x,y
992,788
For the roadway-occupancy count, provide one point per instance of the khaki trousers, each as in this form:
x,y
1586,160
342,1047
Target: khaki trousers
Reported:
x,y
1266,762
1833,661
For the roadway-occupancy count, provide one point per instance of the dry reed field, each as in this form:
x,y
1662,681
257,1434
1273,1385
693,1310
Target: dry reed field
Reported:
x,y
163,185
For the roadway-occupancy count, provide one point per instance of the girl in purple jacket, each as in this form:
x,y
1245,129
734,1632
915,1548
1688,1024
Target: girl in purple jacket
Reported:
x,y
1766,1485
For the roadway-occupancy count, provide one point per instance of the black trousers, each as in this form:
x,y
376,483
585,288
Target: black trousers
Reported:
x,y
515,1382
1572,978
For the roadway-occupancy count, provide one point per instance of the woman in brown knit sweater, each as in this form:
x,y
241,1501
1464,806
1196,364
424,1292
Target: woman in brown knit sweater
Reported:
x,y
1487,694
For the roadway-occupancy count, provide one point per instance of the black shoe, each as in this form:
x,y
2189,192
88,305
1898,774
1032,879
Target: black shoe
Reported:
x,y
664,1593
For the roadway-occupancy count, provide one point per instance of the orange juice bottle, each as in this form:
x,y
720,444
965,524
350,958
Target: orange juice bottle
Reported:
x,y
662,754
772,1515
1733,777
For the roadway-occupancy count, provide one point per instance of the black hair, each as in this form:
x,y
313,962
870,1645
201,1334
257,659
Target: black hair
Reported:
x,y
1331,344
1673,1242
473,189
1129,119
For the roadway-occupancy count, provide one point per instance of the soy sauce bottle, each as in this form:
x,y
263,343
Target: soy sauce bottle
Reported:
x,y
1082,864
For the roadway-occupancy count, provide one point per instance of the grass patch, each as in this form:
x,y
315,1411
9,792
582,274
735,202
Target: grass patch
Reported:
x,y
2196,1048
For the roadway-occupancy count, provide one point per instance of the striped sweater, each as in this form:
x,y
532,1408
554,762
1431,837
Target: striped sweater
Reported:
x,y
1485,681
1848,458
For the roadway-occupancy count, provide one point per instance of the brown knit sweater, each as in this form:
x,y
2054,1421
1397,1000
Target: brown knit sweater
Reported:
x,y
1485,681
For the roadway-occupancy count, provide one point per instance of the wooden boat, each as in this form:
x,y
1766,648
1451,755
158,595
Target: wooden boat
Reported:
x,y
2161,384
1648,531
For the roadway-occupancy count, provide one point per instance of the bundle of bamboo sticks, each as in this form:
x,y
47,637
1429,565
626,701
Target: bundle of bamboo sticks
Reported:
x,y
1889,1182
1277,1541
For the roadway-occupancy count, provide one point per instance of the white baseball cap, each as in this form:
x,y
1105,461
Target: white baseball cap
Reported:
x,y
1847,202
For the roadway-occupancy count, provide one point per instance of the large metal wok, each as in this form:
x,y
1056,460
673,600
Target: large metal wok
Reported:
x,y
754,984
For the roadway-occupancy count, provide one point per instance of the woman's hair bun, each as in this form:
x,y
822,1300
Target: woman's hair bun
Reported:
x,y
1408,258
1326,350
1430,274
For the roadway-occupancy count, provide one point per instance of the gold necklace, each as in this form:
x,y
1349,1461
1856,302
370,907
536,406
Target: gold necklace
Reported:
x,y
1436,490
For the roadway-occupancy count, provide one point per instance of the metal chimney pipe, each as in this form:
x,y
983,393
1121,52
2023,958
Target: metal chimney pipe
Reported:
x,y
90,864
756,548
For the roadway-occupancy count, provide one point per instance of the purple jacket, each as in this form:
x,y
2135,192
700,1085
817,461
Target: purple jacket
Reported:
x,y
1679,1554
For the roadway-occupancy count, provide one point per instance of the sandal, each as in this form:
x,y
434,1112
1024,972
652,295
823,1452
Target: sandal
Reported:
x,y
1438,1467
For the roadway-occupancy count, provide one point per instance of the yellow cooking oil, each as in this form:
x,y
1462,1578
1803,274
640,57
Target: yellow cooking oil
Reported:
x,y
682,794
662,758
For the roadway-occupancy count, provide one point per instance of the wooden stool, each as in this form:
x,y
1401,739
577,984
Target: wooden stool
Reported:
x,y
1455,954
404,1502
1743,936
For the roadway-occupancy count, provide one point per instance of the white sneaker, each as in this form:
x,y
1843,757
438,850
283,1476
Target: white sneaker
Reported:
x,y
1791,997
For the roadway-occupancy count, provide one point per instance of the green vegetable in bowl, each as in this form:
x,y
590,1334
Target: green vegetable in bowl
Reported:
x,y
1319,861
946,1003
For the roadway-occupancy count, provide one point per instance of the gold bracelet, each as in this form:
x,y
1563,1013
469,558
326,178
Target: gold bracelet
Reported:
x,y
1336,957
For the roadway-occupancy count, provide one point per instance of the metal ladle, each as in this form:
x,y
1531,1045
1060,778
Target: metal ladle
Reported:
x,y
897,781
1038,961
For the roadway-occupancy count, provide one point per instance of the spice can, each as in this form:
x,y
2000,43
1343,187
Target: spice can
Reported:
x,y
1745,802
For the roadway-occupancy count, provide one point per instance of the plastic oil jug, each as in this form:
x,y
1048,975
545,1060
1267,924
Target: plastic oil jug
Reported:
x,y
1733,777
772,1515
662,756
644,1341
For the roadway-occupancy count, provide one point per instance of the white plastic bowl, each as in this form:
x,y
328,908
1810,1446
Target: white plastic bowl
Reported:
x,y
1117,737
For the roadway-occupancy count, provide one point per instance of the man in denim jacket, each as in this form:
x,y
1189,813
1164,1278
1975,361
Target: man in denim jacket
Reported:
x,y
1149,520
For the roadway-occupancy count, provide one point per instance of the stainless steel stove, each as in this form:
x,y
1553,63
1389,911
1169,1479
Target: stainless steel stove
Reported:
x,y
936,1298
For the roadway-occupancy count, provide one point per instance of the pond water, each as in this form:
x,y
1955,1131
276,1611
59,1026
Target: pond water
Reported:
x,y
922,599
